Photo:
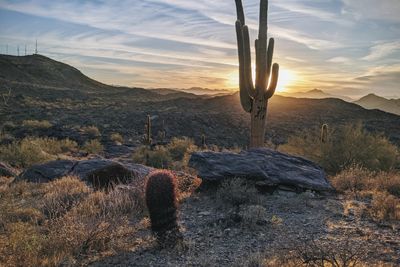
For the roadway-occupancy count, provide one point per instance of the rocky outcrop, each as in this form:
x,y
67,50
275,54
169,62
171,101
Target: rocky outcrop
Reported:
x,y
98,172
268,167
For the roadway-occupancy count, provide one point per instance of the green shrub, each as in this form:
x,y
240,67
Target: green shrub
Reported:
x,y
178,147
32,150
24,153
36,124
237,191
93,147
346,146
158,157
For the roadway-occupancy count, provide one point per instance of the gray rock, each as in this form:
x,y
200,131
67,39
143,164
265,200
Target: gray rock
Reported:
x,y
98,172
6,170
261,164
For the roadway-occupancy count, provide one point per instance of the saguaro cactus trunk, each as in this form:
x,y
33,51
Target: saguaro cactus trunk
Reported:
x,y
254,98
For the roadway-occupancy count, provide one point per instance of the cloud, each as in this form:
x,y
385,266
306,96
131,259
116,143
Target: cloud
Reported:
x,y
382,50
339,60
371,9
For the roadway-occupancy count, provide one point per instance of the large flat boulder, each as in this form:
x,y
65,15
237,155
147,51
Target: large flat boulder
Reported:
x,y
98,172
266,166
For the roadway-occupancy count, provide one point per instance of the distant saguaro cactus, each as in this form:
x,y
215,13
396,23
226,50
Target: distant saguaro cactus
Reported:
x,y
254,98
148,131
324,133
203,141
162,205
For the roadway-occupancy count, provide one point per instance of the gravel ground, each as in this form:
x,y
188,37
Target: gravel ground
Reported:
x,y
217,234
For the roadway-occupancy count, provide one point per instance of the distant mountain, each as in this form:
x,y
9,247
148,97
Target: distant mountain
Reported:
x,y
40,74
206,91
315,93
373,101
44,89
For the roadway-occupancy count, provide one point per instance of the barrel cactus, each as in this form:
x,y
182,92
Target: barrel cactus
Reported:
x,y
162,206
254,97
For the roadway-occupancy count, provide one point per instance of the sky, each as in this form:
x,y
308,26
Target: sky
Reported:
x,y
344,47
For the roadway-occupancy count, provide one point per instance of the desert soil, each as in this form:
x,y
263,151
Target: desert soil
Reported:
x,y
217,234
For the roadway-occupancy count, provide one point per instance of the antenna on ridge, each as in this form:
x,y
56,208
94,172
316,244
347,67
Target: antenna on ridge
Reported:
x,y
36,48
18,50
25,50
7,49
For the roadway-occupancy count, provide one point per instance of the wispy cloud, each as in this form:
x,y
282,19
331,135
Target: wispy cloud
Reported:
x,y
329,43
383,49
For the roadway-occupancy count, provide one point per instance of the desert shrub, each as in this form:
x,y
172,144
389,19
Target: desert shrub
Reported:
x,y
157,157
116,137
348,145
93,147
178,147
91,131
237,191
36,124
253,215
385,206
353,179
24,153
32,150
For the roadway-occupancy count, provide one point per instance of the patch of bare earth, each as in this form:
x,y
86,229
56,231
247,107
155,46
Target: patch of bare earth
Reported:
x,y
283,229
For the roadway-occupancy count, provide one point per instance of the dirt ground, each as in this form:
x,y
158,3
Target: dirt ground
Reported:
x,y
282,225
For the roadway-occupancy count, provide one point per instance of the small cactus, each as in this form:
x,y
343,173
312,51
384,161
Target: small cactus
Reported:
x,y
147,128
324,133
203,141
162,206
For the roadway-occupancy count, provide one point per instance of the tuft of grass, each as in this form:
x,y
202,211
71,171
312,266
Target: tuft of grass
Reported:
x,y
117,138
36,124
91,131
93,147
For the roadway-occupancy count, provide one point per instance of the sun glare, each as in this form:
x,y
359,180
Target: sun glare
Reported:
x,y
286,79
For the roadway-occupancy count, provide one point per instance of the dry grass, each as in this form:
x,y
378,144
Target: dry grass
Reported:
x,y
36,124
117,138
33,150
93,147
64,222
381,189
237,192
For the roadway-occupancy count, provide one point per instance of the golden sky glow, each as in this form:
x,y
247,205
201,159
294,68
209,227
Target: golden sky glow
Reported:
x,y
287,79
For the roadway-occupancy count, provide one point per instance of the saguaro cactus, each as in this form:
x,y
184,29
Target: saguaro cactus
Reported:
x,y
254,98
147,128
324,133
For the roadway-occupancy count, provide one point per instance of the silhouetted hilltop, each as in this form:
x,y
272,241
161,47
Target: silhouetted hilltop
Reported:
x,y
121,109
373,101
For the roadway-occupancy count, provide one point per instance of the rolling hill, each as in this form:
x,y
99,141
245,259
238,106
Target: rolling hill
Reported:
x,y
70,100
314,93
373,101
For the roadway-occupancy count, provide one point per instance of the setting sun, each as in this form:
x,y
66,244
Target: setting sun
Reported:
x,y
286,79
